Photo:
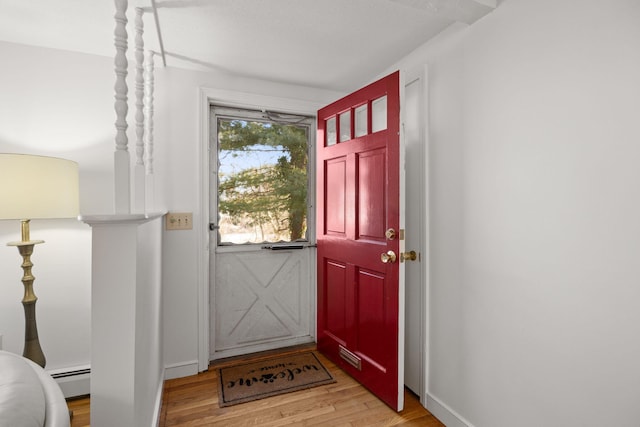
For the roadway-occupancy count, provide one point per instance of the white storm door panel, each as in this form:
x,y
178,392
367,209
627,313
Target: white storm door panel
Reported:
x,y
261,300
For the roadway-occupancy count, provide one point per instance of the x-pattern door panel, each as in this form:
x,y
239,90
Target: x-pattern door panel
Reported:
x,y
260,298
358,201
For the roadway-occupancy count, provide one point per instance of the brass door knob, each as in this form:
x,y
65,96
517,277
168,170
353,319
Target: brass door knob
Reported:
x,y
388,257
408,256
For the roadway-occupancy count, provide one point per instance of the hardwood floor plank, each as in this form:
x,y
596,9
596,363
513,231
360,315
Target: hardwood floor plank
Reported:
x,y
193,401
80,408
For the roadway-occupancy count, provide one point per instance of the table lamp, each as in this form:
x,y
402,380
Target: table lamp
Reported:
x,y
35,187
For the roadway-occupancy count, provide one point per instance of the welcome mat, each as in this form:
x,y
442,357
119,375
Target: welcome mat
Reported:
x,y
270,377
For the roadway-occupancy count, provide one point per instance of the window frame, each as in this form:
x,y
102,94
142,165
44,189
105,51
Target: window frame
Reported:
x,y
224,112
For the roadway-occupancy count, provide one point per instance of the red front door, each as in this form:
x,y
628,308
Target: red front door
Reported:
x,y
359,236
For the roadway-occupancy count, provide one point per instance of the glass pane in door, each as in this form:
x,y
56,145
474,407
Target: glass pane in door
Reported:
x,y
345,126
262,181
332,136
379,114
361,120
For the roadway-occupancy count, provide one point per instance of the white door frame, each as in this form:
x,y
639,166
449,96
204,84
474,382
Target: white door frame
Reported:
x,y
206,97
421,74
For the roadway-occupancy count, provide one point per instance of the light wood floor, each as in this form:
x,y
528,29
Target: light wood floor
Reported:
x,y
193,401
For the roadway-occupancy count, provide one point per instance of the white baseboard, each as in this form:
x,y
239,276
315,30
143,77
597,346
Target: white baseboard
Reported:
x,y
446,415
74,381
179,370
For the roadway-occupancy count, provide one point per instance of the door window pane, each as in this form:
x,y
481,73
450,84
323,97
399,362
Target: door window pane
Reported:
x,y
345,126
361,120
379,114
330,127
262,181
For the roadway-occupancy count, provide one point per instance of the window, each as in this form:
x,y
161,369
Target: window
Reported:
x,y
262,176
341,123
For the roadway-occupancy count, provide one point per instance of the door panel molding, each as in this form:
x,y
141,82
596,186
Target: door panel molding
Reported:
x,y
259,308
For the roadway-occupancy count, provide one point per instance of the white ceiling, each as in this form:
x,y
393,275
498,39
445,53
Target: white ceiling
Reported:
x,y
330,44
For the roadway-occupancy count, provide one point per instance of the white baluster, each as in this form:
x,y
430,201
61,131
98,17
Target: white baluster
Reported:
x,y
121,155
139,170
148,127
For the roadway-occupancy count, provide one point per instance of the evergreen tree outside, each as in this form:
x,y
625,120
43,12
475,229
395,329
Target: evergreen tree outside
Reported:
x,y
262,179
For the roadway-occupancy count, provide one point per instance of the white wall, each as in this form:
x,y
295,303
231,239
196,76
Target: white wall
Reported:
x,y
534,150
178,146
61,103
58,104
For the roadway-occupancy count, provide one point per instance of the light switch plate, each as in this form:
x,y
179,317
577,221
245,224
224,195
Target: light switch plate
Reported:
x,y
179,221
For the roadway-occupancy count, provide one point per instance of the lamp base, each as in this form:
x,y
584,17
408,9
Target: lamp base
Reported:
x,y
32,349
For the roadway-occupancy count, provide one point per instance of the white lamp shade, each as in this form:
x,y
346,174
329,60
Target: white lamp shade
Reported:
x,y
34,187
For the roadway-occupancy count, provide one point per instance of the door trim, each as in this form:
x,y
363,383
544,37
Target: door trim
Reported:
x,y
420,73
207,96
230,98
